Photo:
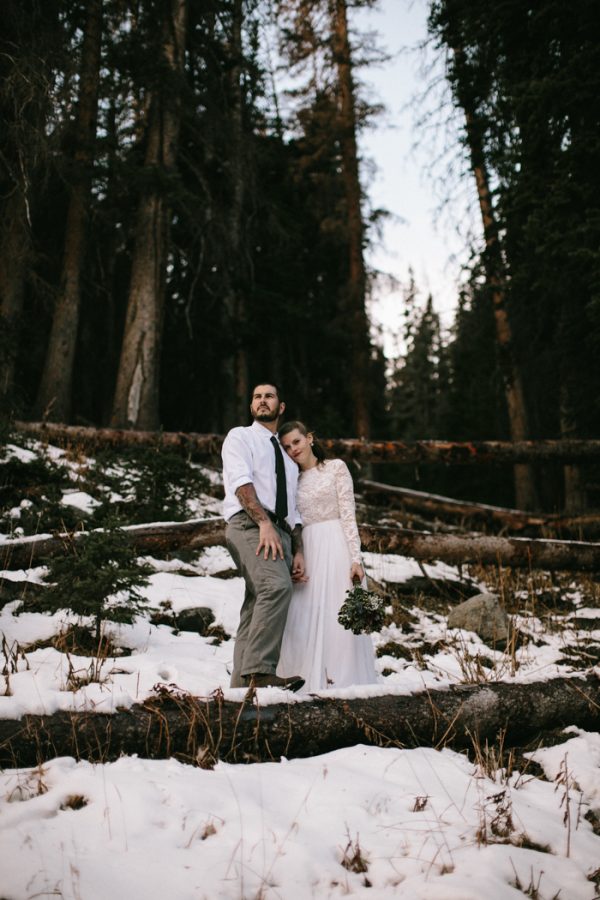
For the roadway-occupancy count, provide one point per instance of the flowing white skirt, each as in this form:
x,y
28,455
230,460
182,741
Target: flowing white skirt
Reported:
x,y
315,645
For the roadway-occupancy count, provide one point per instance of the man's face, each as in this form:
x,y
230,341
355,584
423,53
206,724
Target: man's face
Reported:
x,y
265,405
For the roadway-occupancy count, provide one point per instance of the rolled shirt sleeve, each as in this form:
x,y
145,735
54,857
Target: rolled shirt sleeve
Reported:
x,y
237,461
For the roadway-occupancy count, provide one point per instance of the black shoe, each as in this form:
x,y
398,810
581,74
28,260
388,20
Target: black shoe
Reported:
x,y
290,683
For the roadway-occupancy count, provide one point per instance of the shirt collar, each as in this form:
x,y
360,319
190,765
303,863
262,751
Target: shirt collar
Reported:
x,y
263,431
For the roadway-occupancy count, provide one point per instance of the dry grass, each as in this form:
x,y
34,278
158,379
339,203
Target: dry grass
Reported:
x,y
353,857
80,640
74,801
13,653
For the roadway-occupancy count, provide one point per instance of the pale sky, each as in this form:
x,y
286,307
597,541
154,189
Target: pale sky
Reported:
x,y
418,234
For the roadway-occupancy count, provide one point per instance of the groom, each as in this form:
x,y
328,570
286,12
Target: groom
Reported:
x,y
264,538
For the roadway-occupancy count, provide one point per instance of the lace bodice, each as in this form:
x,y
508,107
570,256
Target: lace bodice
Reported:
x,y
326,492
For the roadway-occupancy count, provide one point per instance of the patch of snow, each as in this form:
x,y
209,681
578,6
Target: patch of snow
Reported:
x,y
80,500
12,451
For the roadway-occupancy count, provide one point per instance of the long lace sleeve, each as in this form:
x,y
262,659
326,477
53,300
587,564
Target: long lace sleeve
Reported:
x,y
347,507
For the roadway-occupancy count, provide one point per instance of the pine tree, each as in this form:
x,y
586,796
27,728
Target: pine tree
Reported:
x,y
416,392
99,578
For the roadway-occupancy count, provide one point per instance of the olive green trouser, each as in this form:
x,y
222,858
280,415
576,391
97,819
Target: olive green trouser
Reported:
x,y
265,607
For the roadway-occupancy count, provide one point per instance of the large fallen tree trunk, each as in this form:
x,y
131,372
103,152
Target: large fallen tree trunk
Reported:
x,y
488,550
158,537
202,731
456,549
483,513
414,453
91,439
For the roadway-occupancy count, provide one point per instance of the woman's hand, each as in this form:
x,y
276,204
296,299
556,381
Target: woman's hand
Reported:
x,y
298,569
357,573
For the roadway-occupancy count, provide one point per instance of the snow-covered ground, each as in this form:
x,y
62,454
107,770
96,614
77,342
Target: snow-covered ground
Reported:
x,y
364,821
361,822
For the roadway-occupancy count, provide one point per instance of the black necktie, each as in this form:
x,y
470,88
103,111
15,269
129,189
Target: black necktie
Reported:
x,y
281,506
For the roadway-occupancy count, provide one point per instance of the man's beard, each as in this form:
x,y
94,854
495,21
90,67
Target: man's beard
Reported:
x,y
267,416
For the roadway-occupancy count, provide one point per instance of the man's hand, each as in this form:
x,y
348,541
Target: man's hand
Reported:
x,y
298,569
357,573
269,540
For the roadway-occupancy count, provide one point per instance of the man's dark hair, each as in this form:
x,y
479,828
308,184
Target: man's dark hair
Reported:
x,y
267,381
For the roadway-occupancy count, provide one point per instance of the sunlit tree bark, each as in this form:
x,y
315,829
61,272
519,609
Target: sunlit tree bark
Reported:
x,y
136,400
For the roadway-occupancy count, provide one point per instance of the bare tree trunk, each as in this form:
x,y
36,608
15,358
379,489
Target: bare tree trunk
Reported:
x,y
26,30
15,253
574,483
575,494
357,283
236,366
525,493
201,731
136,400
54,393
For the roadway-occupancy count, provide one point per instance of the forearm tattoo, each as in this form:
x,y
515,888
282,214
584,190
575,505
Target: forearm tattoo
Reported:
x,y
297,542
251,504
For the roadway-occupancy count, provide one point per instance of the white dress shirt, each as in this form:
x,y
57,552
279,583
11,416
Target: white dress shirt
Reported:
x,y
249,458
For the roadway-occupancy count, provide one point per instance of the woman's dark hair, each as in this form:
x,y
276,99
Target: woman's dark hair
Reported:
x,y
317,448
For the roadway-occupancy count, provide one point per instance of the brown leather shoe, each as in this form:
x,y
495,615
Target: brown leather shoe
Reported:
x,y
260,679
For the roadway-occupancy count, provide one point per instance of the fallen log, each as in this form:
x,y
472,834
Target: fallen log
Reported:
x,y
456,549
197,730
91,439
448,508
360,451
157,537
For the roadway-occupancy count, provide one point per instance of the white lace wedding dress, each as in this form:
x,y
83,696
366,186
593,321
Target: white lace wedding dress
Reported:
x,y
315,645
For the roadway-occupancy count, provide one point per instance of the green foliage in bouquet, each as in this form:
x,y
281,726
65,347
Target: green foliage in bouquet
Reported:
x,y
362,611
99,577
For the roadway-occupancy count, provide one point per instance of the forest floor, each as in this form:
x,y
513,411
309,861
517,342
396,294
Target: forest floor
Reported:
x,y
363,821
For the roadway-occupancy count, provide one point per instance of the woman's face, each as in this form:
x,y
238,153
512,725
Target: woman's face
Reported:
x,y
298,446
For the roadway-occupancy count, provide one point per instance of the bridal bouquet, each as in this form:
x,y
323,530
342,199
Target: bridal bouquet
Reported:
x,y
362,611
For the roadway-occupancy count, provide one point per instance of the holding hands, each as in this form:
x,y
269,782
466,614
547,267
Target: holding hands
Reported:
x,y
298,568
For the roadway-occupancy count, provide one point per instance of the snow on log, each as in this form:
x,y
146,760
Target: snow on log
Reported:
x,y
198,730
168,537
414,453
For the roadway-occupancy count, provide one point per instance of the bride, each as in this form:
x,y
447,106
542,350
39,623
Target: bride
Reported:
x,y
314,644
